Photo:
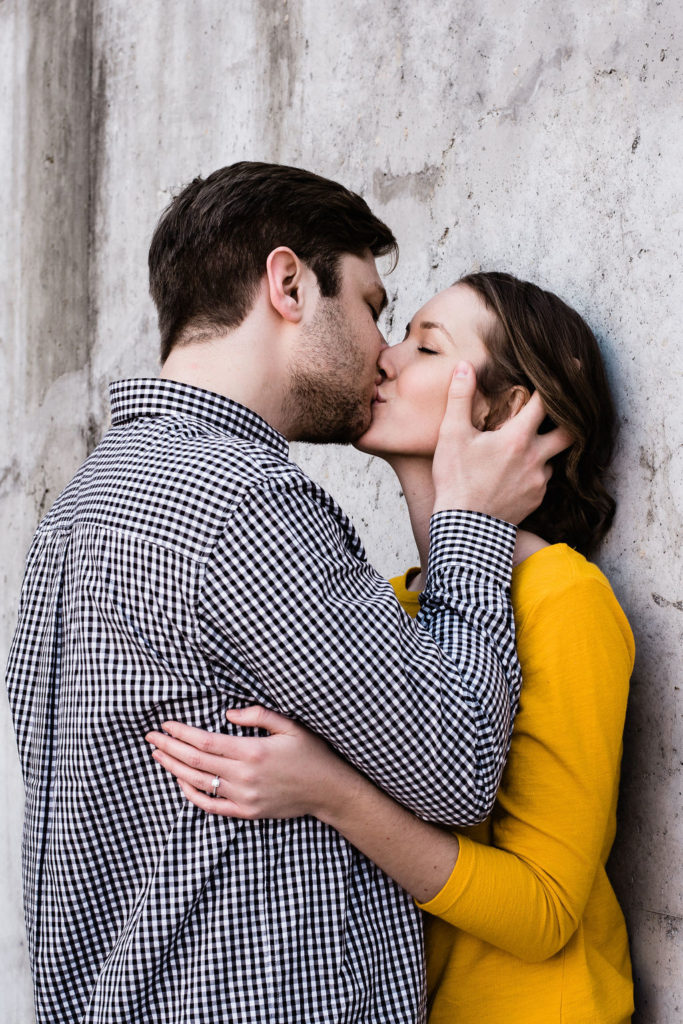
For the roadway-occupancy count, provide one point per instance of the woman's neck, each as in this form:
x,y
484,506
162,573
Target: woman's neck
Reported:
x,y
415,476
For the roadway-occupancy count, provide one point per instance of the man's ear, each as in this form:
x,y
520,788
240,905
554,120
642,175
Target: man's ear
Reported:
x,y
288,283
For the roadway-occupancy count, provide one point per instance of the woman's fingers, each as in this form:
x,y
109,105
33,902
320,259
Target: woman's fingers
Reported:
x,y
196,758
209,742
190,755
198,787
194,746
273,776
200,779
224,807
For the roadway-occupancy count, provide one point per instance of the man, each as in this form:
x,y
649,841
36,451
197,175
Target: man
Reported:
x,y
189,567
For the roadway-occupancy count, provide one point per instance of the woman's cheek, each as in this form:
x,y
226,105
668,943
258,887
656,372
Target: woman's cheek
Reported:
x,y
430,425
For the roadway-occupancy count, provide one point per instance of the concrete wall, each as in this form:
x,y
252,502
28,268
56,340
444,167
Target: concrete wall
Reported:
x,y
542,137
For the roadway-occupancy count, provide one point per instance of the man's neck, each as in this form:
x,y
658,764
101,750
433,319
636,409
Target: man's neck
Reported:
x,y
244,369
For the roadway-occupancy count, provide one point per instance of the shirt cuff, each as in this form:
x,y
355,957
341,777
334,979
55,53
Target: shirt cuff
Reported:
x,y
458,881
472,539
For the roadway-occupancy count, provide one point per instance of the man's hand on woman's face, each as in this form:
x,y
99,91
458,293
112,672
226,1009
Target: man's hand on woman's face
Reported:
x,y
503,472
290,773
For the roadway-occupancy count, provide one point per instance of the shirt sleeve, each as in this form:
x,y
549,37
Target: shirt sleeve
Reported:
x,y
551,828
305,625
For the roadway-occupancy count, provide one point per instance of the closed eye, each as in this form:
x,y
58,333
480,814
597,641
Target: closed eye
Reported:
x,y
428,351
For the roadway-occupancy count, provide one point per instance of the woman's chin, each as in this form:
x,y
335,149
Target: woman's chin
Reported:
x,y
369,442
372,443
365,446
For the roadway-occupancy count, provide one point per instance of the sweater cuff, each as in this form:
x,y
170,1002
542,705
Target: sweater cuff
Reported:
x,y
471,539
458,881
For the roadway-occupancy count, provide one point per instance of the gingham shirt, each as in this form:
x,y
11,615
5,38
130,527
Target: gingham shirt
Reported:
x,y
189,567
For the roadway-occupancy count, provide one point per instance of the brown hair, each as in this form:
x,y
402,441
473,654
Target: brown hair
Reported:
x,y
538,342
209,249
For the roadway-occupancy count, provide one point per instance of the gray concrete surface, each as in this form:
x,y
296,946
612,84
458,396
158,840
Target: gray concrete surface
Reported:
x,y
543,137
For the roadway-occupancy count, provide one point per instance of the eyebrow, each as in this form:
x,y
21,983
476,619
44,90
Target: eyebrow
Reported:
x,y
428,324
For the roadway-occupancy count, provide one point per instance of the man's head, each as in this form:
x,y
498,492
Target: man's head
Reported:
x,y
254,233
209,250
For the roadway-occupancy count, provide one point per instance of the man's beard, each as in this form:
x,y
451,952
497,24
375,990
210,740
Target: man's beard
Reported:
x,y
326,401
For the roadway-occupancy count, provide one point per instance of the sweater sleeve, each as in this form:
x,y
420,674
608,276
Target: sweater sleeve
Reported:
x,y
551,827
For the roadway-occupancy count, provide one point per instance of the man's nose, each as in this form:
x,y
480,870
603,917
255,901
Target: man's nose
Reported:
x,y
385,363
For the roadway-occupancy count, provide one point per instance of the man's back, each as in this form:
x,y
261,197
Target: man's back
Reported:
x,y
140,907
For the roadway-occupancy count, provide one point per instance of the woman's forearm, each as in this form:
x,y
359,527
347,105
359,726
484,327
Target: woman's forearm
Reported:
x,y
293,772
420,857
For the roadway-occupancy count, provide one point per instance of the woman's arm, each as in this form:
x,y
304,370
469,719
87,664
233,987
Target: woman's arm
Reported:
x,y
293,772
554,821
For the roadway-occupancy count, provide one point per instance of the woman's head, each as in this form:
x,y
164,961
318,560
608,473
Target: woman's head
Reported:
x,y
520,339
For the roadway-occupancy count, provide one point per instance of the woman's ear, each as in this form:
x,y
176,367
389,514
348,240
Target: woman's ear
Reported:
x,y
285,273
481,408
517,398
502,407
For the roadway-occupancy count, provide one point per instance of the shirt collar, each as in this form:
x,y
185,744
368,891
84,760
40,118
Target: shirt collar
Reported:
x,y
131,399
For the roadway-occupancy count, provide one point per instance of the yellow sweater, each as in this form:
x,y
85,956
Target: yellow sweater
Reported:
x,y
528,929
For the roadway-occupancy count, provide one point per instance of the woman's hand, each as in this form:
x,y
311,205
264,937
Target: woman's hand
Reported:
x,y
293,772
290,773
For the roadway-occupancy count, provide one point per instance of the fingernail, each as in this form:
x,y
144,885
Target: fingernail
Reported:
x,y
461,370
234,713
168,727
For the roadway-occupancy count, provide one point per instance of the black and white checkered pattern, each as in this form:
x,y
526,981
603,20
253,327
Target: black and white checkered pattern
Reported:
x,y
187,568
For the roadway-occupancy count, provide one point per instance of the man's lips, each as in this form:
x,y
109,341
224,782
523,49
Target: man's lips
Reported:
x,y
377,399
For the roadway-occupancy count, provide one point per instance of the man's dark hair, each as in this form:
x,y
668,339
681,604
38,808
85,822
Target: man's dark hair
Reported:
x,y
209,249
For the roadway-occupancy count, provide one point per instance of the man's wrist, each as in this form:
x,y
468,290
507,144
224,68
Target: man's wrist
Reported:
x,y
474,540
451,503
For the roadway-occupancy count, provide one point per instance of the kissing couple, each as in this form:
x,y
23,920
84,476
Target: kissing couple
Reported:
x,y
329,728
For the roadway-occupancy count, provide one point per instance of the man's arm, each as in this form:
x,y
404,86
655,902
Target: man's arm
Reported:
x,y
424,708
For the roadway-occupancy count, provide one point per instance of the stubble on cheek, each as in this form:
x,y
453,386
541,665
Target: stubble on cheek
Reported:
x,y
329,394
322,410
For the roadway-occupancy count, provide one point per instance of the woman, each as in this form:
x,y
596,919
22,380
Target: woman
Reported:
x,y
522,923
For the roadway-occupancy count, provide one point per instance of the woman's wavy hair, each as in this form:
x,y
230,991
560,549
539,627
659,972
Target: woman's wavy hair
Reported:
x,y
538,342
